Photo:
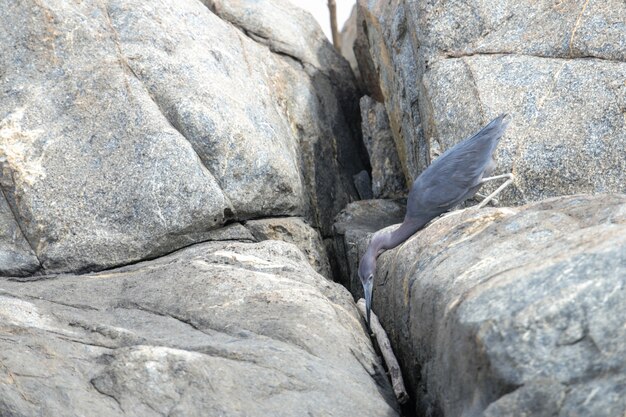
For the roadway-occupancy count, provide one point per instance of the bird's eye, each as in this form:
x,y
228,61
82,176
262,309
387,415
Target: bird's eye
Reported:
x,y
371,276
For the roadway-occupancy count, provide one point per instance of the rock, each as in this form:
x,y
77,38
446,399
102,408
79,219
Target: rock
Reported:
x,y
566,147
390,51
215,329
512,311
447,68
363,184
297,231
319,97
367,68
567,31
233,231
352,228
387,178
16,256
348,37
129,132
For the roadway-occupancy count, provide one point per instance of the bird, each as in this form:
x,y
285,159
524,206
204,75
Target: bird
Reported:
x,y
451,179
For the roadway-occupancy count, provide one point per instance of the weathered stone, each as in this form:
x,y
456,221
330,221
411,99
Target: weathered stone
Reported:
x,y
564,137
215,329
294,230
234,231
348,37
242,137
565,30
363,184
16,256
352,227
449,67
131,129
319,97
387,178
511,311
367,68
390,49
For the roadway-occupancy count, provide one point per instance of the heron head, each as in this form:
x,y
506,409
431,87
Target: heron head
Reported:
x,y
367,267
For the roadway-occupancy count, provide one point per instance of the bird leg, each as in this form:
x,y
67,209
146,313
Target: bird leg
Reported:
x,y
482,197
510,179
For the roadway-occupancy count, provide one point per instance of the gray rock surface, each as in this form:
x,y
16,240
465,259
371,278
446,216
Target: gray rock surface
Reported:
x,y
446,68
367,67
16,256
293,230
215,329
348,38
319,97
363,184
387,178
511,311
389,49
131,129
564,138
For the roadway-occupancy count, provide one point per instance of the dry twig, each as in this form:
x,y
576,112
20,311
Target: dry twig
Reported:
x,y
332,8
390,359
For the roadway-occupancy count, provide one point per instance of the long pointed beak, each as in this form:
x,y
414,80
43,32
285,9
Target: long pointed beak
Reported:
x,y
367,289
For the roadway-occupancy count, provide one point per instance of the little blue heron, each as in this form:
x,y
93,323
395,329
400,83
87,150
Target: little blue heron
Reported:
x,y
451,179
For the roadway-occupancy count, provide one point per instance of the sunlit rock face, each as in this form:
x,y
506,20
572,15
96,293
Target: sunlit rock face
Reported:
x,y
506,311
220,328
444,69
131,129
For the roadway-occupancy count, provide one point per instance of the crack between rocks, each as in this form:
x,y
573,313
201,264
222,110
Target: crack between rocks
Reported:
x,y
250,360
69,339
271,44
576,26
474,87
146,259
136,306
128,69
119,404
33,278
461,54
32,297
17,386
173,126
19,226
260,39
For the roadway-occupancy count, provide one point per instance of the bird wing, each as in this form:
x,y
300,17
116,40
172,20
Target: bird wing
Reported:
x,y
452,176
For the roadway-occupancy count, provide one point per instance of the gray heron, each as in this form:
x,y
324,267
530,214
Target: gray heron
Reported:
x,y
451,179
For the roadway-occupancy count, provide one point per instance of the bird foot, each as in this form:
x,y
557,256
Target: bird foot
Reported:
x,y
510,178
481,197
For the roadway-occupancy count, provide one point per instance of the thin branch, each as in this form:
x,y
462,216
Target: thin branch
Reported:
x,y
332,8
390,359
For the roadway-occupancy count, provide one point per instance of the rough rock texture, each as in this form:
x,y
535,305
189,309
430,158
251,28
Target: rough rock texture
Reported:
x,y
446,68
297,231
216,329
348,37
367,67
234,231
130,129
319,95
511,311
387,47
387,178
16,256
352,228
363,184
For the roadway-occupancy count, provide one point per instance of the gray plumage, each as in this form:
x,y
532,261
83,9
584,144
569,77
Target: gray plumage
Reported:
x,y
451,179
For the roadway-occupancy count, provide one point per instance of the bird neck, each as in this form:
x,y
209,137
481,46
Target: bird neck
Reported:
x,y
383,241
